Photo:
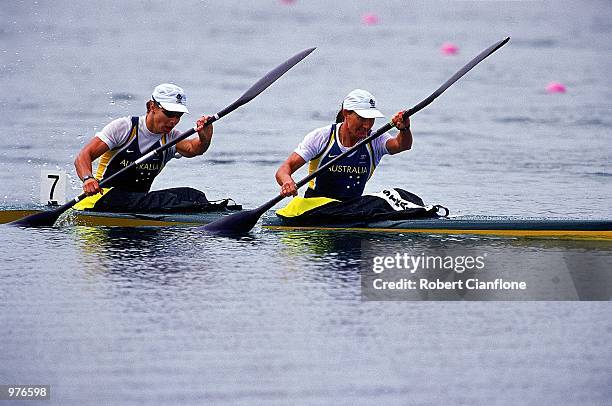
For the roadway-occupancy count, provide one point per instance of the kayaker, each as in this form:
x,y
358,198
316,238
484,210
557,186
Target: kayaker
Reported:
x,y
125,139
347,178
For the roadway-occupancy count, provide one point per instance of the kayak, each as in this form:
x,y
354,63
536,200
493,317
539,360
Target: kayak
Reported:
x,y
91,218
459,225
465,225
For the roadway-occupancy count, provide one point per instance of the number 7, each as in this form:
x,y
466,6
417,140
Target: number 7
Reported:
x,y
56,177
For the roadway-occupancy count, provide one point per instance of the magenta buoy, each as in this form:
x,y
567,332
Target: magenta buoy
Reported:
x,y
555,87
448,48
370,19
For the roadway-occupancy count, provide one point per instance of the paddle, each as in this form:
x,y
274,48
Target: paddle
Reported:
x,y
244,221
48,218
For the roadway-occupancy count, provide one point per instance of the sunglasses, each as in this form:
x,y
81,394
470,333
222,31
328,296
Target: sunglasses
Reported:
x,y
169,114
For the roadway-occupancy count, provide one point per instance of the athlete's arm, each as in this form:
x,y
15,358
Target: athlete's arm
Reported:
x,y
403,140
284,172
90,152
196,146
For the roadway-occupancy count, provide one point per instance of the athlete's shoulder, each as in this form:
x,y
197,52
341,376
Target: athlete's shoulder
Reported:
x,y
118,125
382,140
314,143
318,135
174,133
115,132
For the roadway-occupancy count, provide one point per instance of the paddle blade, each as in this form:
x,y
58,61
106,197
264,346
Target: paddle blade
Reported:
x,y
46,218
43,219
263,83
234,224
458,75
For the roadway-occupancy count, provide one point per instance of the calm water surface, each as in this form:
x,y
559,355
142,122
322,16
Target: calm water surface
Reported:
x,y
170,316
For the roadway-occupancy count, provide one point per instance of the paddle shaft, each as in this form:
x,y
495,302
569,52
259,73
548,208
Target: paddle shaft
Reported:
x,y
48,218
268,205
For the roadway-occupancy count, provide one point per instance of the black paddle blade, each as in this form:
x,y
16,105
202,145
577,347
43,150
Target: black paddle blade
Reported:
x,y
458,75
234,224
44,219
265,82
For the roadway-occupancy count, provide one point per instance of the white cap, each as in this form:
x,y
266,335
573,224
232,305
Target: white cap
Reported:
x,y
361,102
170,97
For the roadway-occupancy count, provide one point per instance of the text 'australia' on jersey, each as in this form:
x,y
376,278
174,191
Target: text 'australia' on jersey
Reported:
x,y
138,179
345,179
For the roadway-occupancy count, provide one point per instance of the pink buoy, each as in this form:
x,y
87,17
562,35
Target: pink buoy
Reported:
x,y
370,19
449,48
287,1
555,87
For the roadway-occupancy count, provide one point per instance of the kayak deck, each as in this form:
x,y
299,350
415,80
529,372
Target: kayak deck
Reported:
x,y
466,225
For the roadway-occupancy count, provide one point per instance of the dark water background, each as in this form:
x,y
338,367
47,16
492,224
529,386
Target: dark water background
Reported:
x,y
167,316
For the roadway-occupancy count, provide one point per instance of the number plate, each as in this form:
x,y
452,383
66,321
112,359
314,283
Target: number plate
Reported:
x,y
52,187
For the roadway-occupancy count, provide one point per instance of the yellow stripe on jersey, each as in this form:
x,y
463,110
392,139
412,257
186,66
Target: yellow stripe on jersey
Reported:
x,y
372,159
108,155
314,164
